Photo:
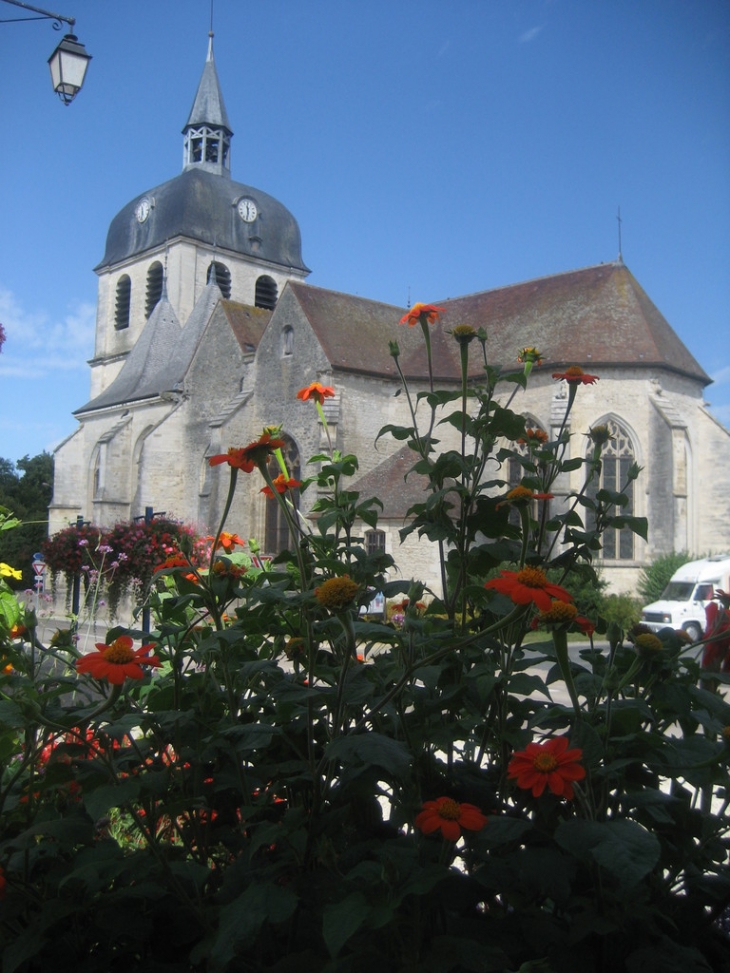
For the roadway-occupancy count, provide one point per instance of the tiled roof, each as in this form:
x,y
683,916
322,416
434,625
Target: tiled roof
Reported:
x,y
393,484
247,323
591,317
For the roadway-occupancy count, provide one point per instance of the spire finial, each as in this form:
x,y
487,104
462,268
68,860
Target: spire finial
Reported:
x,y
620,254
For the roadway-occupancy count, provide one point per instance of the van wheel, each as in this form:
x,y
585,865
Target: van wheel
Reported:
x,y
694,631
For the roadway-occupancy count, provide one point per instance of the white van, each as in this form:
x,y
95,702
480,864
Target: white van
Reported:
x,y
682,604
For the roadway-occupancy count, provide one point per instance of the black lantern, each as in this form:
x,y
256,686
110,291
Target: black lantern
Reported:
x,y
68,65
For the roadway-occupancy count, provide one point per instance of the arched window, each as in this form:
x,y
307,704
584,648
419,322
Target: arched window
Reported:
x,y
287,341
121,307
153,294
375,541
277,535
222,278
617,456
266,293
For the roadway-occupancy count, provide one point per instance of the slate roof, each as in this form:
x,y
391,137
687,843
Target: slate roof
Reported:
x,y
597,316
161,356
208,107
201,206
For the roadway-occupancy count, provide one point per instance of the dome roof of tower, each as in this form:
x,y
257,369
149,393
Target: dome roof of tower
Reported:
x,y
203,206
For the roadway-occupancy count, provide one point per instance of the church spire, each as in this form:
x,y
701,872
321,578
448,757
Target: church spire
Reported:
x,y
207,133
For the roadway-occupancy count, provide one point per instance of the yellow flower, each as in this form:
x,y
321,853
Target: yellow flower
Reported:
x,y
464,333
648,644
7,572
337,594
559,611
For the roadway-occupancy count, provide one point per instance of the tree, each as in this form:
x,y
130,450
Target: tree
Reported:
x,y
27,495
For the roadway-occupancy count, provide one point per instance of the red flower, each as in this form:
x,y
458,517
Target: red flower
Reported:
x,y
281,485
576,376
117,661
317,392
448,815
530,585
3,883
245,458
422,314
549,764
178,561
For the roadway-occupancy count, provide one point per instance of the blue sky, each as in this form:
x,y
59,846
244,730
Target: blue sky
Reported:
x,y
428,148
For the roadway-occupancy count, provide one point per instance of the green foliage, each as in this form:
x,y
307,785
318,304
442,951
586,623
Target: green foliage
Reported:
x,y
28,495
654,578
622,610
250,796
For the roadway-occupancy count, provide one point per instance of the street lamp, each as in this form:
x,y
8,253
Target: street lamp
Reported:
x,y
69,61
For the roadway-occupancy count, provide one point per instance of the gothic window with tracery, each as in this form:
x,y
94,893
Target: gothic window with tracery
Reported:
x,y
617,457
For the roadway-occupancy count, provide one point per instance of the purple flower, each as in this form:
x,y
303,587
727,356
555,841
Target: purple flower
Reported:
x,y
83,542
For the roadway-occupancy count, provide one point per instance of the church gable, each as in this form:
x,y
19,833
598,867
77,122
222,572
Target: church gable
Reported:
x,y
596,316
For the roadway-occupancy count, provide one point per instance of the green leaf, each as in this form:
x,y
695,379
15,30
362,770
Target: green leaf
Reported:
x,y
241,920
102,799
341,920
11,714
626,850
371,750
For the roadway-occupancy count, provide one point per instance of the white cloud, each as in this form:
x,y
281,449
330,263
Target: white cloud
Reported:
x,y
722,377
529,35
37,345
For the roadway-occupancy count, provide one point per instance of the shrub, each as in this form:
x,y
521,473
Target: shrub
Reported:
x,y
654,578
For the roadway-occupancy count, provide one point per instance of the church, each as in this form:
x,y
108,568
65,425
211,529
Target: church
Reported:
x,y
206,329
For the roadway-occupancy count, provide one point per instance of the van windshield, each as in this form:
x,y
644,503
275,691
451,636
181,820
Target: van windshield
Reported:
x,y
678,591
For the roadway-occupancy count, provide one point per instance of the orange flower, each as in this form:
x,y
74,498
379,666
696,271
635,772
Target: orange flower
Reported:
x,y
245,458
18,631
450,817
117,661
533,436
529,355
281,485
522,494
528,586
549,764
228,541
317,392
422,314
576,376
178,561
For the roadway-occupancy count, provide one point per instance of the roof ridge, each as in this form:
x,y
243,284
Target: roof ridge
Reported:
x,y
616,264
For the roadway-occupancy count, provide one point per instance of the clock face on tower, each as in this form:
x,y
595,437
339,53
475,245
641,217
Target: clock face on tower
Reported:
x,y
142,209
247,209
